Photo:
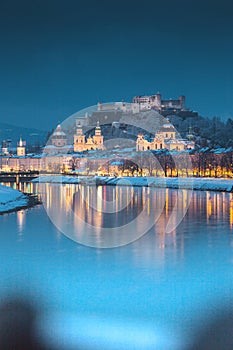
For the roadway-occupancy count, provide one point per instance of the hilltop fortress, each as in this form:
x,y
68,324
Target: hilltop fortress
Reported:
x,y
113,112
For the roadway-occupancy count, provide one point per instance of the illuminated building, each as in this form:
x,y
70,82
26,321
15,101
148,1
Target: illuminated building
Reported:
x,y
165,138
156,102
57,143
96,142
21,148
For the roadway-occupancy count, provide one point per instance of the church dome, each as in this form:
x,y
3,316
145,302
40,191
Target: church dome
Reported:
x,y
59,133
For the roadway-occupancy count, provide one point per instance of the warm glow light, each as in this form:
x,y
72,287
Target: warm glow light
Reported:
x,y
166,202
208,205
231,211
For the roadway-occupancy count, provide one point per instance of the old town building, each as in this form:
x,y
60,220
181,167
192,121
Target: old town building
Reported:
x,y
165,138
95,142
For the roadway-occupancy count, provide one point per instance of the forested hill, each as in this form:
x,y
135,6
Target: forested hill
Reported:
x,y
30,135
212,132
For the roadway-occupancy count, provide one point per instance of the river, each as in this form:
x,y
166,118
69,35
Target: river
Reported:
x,y
163,280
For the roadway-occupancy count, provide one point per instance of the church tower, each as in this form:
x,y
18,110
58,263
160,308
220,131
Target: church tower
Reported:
x,y
98,138
21,148
79,139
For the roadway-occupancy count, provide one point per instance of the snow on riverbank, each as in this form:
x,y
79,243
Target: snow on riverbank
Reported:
x,y
11,199
203,184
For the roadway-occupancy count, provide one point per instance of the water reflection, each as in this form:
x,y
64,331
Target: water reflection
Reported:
x,y
25,187
103,215
169,275
20,223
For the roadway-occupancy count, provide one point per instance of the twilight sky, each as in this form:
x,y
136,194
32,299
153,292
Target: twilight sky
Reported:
x,y
58,57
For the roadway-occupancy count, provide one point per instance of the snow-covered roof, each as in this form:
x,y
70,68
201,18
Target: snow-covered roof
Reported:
x,y
58,131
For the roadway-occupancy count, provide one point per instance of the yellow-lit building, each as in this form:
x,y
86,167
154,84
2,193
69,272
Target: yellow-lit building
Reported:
x,y
165,138
92,143
21,149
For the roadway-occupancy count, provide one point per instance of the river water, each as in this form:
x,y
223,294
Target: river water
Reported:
x,y
151,293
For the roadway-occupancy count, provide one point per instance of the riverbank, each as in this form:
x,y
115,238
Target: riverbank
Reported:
x,y
201,184
13,200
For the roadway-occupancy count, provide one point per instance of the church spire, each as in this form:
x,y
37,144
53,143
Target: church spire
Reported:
x,y
20,144
21,147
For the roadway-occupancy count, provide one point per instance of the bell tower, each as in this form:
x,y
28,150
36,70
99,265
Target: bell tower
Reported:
x,y
79,139
21,148
98,137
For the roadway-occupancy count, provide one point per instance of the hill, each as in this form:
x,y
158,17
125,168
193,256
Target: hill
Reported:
x,y
12,133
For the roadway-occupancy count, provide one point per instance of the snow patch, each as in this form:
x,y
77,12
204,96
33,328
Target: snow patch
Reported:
x,y
11,199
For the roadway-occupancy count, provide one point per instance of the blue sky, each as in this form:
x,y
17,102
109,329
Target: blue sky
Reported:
x,y
58,57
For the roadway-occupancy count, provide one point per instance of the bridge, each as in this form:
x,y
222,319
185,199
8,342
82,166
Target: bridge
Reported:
x,y
18,176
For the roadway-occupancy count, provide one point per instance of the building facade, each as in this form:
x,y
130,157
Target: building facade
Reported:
x,y
156,102
95,142
57,143
165,138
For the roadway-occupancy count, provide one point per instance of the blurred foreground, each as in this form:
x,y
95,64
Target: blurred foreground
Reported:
x,y
22,326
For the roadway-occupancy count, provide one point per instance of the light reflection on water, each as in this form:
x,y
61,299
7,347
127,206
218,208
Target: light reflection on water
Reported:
x,y
209,213
131,211
161,277
113,216
25,187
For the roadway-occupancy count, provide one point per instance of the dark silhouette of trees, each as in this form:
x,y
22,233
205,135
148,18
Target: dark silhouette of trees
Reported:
x,y
212,132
